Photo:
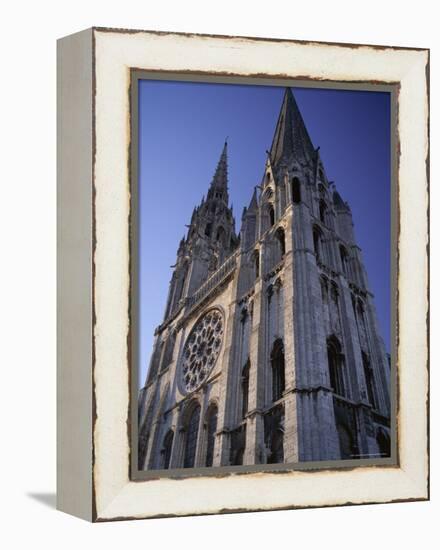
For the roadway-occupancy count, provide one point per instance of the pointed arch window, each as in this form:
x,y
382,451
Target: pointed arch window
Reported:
x,y
212,429
271,216
336,366
192,433
169,349
369,380
334,292
180,285
322,211
277,361
256,257
208,229
245,389
280,235
324,289
296,191
167,446
344,258
317,243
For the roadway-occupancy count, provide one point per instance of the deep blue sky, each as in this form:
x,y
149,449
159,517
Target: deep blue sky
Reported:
x,y
182,128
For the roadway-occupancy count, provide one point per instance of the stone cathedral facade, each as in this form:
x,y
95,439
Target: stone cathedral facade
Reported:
x,y
269,350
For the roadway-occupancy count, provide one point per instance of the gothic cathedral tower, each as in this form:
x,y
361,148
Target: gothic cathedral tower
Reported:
x,y
269,351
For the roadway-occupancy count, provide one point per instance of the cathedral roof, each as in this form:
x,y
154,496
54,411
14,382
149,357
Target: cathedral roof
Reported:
x,y
291,139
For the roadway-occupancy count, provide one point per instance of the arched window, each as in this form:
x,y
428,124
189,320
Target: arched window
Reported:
x,y
369,380
192,432
244,315
267,177
277,360
296,190
167,446
169,349
271,216
324,289
245,389
281,240
180,285
322,210
336,366
334,291
317,243
208,229
344,256
212,428
257,263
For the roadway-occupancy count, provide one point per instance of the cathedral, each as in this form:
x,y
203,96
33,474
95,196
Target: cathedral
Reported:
x,y
269,350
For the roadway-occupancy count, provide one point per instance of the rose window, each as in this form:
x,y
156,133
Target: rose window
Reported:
x,y
201,349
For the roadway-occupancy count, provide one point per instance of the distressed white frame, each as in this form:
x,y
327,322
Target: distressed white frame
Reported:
x,y
112,493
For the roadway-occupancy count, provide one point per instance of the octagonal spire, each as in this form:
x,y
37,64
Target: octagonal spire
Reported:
x,y
291,139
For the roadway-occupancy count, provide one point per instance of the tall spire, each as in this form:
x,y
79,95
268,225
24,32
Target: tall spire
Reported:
x,y
291,139
220,178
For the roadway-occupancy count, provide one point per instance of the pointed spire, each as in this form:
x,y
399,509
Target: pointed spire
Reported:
x,y
253,205
221,173
291,139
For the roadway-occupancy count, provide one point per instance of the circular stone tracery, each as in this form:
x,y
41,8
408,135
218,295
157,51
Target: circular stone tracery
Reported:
x,y
201,349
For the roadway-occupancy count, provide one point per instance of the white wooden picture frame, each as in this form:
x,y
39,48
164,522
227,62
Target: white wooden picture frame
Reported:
x,y
94,397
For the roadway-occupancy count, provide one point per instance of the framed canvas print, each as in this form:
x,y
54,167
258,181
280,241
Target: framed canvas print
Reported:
x,y
242,274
